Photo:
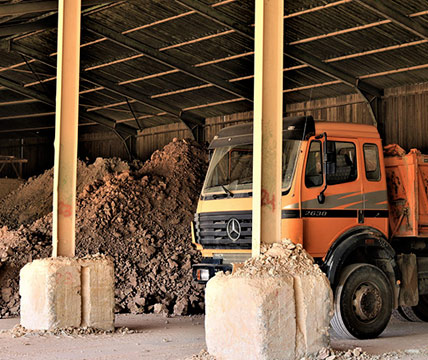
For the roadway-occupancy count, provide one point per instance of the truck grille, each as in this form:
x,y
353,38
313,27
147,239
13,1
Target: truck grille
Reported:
x,y
211,232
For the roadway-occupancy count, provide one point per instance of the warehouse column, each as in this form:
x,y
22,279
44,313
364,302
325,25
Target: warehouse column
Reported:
x,y
64,291
284,312
268,111
67,117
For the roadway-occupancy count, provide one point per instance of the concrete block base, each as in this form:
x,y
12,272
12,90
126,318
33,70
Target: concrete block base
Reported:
x,y
265,317
67,292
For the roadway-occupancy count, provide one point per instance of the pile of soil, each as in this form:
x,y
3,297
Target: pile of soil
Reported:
x,y
280,259
33,199
141,218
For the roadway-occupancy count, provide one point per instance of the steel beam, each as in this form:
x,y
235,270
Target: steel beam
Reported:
x,y
308,59
26,91
292,52
141,98
49,22
390,11
366,90
42,6
107,122
187,118
268,110
165,59
217,16
46,23
32,94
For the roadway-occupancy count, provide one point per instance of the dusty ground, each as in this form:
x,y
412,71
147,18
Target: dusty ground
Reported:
x,y
158,340
177,338
409,339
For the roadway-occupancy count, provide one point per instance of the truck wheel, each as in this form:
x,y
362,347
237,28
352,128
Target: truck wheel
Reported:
x,y
418,312
410,313
399,314
363,302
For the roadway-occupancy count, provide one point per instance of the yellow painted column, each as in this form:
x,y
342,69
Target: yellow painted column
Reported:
x,y
67,117
268,109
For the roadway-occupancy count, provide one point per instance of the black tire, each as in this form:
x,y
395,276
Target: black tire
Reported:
x,y
409,313
418,312
399,314
363,302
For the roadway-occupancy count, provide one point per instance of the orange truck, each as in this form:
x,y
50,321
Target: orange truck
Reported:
x,y
362,215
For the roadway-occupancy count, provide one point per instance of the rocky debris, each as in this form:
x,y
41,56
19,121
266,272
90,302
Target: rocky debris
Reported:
x,y
329,354
33,199
20,331
203,355
141,218
351,354
160,309
280,259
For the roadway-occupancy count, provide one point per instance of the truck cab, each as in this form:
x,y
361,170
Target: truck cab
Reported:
x,y
334,203
317,208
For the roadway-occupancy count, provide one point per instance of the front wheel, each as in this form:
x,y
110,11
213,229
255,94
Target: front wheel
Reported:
x,y
363,302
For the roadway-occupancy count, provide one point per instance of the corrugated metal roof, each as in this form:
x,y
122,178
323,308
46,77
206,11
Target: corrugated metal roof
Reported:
x,y
184,62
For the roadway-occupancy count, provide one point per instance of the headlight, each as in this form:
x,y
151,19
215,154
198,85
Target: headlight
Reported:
x,y
203,274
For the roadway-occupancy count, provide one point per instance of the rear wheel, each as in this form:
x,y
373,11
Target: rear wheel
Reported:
x,y
399,314
363,302
418,312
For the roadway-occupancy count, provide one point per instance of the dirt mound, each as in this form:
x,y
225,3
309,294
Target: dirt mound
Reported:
x,y
33,199
280,259
141,218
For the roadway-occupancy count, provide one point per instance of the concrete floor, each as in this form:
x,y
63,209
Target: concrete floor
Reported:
x,y
409,339
177,338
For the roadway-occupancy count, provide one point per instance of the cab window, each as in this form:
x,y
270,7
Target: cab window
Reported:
x,y
371,162
345,162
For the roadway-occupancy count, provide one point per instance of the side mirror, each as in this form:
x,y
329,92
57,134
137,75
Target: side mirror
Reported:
x,y
321,198
329,163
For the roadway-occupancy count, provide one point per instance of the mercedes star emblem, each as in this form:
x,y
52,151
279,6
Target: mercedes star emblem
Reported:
x,y
233,229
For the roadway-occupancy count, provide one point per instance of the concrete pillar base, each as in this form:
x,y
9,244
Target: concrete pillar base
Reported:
x,y
266,317
67,292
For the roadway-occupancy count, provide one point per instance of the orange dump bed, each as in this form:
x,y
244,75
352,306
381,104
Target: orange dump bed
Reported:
x,y
407,180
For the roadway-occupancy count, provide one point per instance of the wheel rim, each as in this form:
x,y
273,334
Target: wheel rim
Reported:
x,y
367,302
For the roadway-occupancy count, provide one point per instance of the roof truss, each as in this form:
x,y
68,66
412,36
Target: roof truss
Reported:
x,y
114,95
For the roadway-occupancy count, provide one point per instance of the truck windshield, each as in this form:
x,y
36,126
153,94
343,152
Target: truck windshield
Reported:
x,y
231,167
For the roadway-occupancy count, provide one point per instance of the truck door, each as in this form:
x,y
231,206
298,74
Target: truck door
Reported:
x,y
324,218
373,180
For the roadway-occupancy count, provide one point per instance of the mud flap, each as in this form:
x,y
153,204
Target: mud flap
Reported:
x,y
409,293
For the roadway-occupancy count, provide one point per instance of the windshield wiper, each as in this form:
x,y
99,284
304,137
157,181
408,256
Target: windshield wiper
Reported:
x,y
226,190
